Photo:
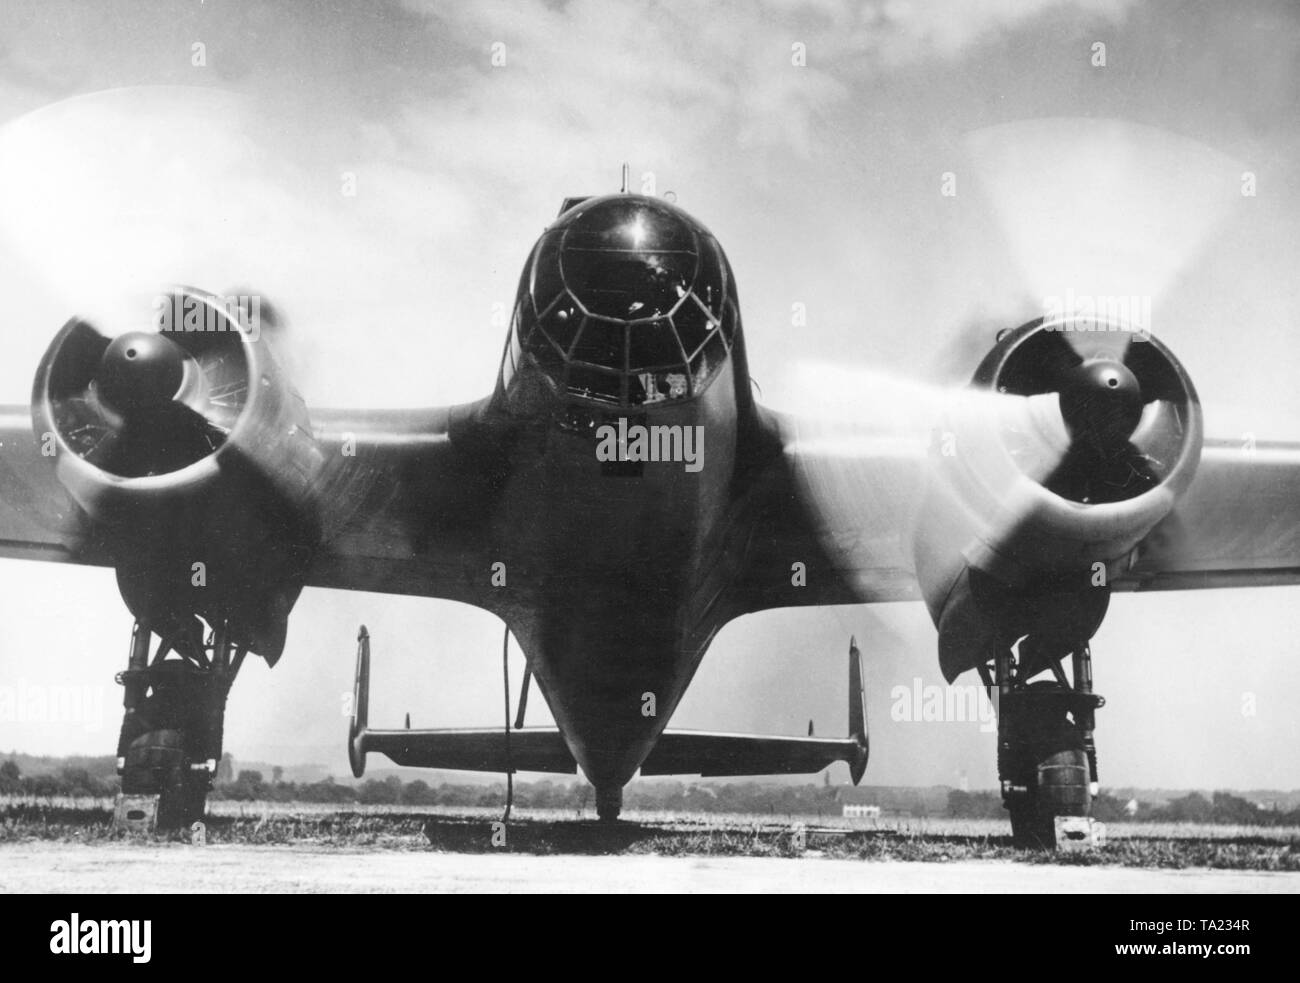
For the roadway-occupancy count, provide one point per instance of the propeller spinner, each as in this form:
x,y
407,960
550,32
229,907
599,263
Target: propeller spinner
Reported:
x,y
1123,405
140,372
1101,402
145,403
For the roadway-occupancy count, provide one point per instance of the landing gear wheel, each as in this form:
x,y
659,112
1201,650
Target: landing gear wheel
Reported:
x,y
156,764
1062,790
1044,764
172,727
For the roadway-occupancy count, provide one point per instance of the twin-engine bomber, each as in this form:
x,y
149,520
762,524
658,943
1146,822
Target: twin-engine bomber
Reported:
x,y
1072,466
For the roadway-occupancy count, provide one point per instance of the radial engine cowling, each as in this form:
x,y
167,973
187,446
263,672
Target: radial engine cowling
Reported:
x,y
191,454
1074,440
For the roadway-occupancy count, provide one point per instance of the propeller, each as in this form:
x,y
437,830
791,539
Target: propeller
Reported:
x,y
146,402
1122,405
126,190
866,440
1101,212
1098,220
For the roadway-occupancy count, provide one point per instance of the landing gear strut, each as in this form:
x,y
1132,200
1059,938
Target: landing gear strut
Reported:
x,y
175,705
1047,759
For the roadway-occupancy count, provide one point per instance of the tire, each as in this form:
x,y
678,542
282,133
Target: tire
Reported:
x,y
1063,789
156,764
1055,771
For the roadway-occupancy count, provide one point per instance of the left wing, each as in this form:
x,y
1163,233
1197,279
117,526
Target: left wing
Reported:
x,y
844,501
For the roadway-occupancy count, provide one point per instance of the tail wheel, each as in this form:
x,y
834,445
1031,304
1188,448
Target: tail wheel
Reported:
x,y
609,802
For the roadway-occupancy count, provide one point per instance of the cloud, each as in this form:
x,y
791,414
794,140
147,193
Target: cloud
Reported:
x,y
109,196
904,31
612,74
459,162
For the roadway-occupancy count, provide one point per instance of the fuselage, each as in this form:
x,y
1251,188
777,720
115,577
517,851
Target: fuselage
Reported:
x,y
616,500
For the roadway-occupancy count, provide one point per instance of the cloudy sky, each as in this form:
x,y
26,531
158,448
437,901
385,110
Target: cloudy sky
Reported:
x,y
219,143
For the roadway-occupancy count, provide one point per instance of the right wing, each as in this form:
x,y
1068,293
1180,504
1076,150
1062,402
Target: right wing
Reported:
x,y
1238,525
407,498
406,507
38,519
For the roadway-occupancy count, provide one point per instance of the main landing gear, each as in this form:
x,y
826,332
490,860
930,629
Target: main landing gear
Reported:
x,y
175,704
1047,759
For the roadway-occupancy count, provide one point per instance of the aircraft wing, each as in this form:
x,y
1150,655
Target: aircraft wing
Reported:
x,y
1237,526
408,508
833,508
38,519
404,505
843,501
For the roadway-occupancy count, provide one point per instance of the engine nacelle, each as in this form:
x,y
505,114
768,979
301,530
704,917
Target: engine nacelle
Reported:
x,y
1074,441
190,450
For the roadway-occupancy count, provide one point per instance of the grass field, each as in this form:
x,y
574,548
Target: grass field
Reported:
x,y
471,830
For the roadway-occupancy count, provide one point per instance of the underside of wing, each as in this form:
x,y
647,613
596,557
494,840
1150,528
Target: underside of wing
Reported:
x,y
833,511
38,519
1237,526
402,505
406,503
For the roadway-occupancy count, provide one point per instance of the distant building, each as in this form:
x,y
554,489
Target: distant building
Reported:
x,y
853,811
897,800
1131,808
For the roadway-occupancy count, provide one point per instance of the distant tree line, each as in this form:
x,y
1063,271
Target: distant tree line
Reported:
x,y
1221,808
800,800
251,786
73,782
734,797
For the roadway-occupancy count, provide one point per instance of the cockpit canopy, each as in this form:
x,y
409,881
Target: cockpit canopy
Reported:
x,y
625,300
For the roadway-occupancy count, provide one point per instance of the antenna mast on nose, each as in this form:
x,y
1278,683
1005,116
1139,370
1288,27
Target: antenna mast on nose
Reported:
x,y
627,176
